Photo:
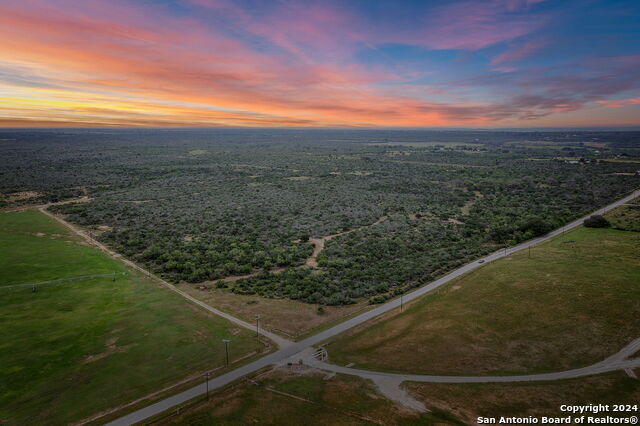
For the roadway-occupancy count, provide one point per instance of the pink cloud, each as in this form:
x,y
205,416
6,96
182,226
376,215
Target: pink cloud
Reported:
x,y
517,53
514,5
331,30
504,69
618,103
474,25
126,60
137,65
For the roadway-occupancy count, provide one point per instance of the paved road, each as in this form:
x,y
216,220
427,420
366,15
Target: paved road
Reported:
x,y
615,362
390,384
297,348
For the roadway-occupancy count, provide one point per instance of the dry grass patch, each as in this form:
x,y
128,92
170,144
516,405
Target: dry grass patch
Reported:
x,y
299,178
289,318
619,160
466,209
20,196
626,217
550,312
280,397
469,401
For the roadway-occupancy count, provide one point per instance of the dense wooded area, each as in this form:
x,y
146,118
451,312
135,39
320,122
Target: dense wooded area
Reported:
x,y
201,205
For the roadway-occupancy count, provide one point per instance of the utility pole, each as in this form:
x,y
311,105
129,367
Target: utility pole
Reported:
x,y
257,327
207,376
401,304
226,348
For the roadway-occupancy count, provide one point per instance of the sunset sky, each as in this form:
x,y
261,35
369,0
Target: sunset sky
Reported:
x,y
493,63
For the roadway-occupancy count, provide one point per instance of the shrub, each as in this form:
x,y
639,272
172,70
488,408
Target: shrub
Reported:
x,y
377,300
596,221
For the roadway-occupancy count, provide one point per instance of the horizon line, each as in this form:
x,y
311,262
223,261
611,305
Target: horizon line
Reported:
x,y
346,128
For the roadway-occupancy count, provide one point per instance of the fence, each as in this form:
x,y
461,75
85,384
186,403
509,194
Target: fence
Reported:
x,y
65,280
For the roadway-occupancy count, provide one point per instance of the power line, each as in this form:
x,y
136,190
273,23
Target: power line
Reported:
x,y
63,280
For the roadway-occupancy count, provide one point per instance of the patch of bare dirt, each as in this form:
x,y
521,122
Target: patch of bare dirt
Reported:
x,y
466,209
29,205
299,178
312,261
21,196
110,349
318,243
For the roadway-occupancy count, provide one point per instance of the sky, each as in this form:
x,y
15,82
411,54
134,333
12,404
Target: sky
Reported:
x,y
329,63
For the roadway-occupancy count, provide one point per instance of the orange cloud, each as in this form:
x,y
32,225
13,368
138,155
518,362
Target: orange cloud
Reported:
x,y
98,63
618,103
184,62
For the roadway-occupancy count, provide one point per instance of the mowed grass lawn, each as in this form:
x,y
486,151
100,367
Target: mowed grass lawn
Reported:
x,y
71,350
35,248
574,302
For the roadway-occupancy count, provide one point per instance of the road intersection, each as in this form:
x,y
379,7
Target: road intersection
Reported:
x,y
388,383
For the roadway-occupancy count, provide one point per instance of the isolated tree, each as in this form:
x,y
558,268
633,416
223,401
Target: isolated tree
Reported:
x,y
596,221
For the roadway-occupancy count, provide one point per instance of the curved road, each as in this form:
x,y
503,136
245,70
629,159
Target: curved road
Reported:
x,y
297,348
615,362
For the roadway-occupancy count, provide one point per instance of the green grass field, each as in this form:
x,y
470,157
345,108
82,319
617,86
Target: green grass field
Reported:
x,y
71,350
574,302
34,248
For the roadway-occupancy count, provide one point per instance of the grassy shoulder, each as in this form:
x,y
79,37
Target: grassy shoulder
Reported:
x,y
291,319
71,350
469,401
284,398
625,217
574,302
289,398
